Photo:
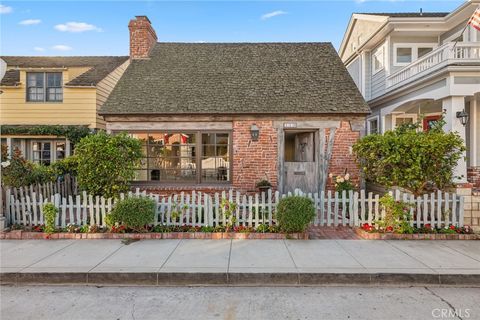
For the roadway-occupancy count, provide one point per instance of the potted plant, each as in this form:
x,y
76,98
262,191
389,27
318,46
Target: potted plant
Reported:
x,y
263,185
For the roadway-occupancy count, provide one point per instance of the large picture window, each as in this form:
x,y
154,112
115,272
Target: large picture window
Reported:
x,y
44,87
189,157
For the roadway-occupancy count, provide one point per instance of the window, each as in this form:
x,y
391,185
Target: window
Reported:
x,y
190,157
60,150
42,152
373,126
400,119
378,60
407,53
299,147
44,87
423,51
404,55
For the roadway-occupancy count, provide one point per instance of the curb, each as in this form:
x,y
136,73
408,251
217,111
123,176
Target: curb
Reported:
x,y
236,279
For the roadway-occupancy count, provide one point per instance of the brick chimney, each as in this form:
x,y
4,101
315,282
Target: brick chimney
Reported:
x,y
142,37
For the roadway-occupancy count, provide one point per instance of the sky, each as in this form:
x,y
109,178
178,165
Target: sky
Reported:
x,y
35,28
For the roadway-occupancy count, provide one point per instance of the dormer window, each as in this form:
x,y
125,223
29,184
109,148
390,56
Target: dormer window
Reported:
x,y
378,60
44,87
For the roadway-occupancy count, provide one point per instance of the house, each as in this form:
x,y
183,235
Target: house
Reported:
x,y
418,66
45,100
226,115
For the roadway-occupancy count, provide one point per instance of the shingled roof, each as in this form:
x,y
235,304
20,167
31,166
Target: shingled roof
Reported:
x,y
100,67
233,78
408,14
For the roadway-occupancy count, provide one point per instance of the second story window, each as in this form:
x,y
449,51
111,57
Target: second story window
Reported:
x,y
44,87
378,60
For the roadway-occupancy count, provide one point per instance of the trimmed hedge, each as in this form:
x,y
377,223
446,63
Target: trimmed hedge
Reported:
x,y
295,213
133,213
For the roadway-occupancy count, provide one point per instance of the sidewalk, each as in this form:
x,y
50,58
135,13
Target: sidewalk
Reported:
x,y
240,262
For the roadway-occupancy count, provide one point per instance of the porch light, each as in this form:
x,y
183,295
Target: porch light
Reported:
x,y
254,132
463,117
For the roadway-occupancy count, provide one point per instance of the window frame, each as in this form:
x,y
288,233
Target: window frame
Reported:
x,y
414,47
412,116
377,52
198,158
45,87
369,128
39,161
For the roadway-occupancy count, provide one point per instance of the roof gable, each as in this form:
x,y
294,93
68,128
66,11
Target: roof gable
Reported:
x,y
236,78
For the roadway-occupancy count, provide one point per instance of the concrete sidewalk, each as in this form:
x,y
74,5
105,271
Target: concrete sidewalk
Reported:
x,y
240,262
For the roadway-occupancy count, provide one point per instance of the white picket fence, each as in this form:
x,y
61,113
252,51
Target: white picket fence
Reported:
x,y
202,209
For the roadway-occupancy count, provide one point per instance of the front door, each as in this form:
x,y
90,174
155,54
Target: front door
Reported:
x,y
300,168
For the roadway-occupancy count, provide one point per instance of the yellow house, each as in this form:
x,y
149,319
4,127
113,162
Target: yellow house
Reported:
x,y
46,100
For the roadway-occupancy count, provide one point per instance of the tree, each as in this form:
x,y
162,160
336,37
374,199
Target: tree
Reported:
x,y
106,163
419,161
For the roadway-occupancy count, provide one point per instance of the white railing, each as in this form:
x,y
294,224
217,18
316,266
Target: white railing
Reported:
x,y
201,209
440,57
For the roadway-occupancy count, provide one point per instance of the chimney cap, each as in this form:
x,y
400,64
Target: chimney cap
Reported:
x,y
142,18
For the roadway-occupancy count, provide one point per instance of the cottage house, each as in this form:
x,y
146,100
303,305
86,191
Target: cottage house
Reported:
x,y
226,115
418,66
46,99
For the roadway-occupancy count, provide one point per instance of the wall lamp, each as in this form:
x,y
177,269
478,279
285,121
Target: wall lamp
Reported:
x,y
463,117
254,132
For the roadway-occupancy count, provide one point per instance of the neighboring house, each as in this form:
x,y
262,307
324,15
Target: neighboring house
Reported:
x,y
408,68
226,115
44,98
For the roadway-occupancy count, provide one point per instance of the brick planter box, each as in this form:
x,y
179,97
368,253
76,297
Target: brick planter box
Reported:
x,y
416,236
24,235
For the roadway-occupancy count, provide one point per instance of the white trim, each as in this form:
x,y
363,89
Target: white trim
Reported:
x,y
370,119
414,47
380,51
473,128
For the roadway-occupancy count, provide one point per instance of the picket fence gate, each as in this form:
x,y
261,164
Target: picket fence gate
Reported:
x,y
202,209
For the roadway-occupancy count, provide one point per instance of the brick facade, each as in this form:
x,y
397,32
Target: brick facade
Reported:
x,y
254,160
342,158
473,176
142,37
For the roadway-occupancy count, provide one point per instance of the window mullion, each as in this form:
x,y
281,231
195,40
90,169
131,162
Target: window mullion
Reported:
x,y
44,87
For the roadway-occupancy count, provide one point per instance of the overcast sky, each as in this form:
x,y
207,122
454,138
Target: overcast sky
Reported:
x,y
100,27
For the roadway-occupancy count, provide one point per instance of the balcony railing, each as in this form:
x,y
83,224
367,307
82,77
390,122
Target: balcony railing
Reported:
x,y
442,56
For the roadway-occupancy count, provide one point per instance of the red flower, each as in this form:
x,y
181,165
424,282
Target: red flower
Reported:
x,y
452,227
428,226
389,229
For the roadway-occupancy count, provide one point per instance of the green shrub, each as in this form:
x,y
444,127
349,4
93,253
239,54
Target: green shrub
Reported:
x,y
66,166
295,213
419,161
18,172
397,216
133,213
107,163
50,213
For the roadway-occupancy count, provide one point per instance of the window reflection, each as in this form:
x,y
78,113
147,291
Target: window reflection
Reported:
x,y
173,156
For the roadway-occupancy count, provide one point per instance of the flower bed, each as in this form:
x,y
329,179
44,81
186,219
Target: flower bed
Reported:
x,y
427,232
71,231
29,235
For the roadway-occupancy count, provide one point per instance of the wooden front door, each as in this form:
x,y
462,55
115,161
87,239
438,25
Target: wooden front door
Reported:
x,y
300,168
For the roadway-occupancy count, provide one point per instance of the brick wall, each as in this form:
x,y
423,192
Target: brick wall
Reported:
x,y
254,160
342,159
473,176
142,37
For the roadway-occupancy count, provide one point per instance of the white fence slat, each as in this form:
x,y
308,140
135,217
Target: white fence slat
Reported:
x,y
351,216
344,207
362,206
64,213
454,210
461,212
439,209
70,210
447,208
329,208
